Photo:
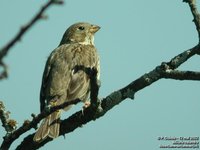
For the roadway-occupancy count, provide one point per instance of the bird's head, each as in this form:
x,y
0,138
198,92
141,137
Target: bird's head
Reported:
x,y
82,33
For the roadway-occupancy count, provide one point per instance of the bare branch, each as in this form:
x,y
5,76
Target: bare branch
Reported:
x,y
193,8
4,73
9,124
181,58
181,75
40,15
9,139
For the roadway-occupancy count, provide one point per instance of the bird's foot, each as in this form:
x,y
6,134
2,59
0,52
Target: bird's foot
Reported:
x,y
86,105
53,103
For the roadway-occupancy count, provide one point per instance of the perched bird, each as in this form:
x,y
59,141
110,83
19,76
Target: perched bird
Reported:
x,y
60,81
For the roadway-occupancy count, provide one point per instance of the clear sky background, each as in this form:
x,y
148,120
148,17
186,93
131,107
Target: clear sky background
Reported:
x,y
135,37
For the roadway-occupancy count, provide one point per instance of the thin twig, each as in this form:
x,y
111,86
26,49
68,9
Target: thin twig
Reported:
x,y
183,57
196,15
8,140
181,75
4,73
5,49
24,28
9,124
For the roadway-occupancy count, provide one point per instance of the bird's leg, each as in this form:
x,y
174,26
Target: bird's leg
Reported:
x,y
87,104
52,103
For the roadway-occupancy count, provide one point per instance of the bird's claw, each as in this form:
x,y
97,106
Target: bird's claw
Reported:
x,y
86,105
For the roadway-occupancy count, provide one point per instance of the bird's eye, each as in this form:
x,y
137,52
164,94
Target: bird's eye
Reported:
x,y
81,28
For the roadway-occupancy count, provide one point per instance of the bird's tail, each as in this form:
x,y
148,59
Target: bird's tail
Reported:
x,y
50,127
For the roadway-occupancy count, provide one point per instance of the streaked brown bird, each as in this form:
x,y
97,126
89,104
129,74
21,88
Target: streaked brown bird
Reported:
x,y
60,81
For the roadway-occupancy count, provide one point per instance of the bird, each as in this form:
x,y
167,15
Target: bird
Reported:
x,y
61,82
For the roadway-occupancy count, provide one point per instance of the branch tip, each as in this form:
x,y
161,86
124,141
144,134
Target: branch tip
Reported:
x,y
59,2
44,17
4,73
195,13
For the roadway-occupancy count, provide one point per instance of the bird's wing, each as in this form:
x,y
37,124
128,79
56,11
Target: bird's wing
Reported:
x,y
54,71
59,78
79,85
44,82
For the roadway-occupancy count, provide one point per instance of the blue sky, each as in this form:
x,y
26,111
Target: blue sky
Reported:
x,y
135,37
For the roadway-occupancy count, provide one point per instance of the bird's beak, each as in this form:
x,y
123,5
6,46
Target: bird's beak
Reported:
x,y
94,28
